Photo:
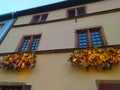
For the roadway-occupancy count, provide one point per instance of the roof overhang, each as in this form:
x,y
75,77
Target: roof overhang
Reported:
x,y
46,8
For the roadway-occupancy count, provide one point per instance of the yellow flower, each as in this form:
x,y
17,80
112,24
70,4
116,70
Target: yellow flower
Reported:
x,y
96,57
25,54
10,59
74,60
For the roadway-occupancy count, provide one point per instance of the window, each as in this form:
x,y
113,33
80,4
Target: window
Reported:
x,y
5,27
39,18
108,85
14,86
29,43
1,26
76,12
90,37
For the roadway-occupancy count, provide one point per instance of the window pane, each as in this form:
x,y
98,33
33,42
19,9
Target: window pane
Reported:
x,y
36,19
1,26
35,43
25,44
96,39
82,38
71,13
44,17
80,11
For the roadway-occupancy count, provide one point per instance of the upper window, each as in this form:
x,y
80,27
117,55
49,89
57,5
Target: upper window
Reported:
x,y
39,18
29,43
76,12
90,37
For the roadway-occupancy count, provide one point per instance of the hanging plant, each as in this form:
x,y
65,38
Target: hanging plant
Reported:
x,y
18,61
95,57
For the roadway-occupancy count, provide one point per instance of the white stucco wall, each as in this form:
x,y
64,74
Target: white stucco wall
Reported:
x,y
103,5
62,13
54,72
60,35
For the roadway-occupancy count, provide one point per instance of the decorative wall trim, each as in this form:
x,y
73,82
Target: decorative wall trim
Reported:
x,y
64,19
65,50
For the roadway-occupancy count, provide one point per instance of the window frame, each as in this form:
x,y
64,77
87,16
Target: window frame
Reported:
x,y
76,11
89,38
40,18
32,37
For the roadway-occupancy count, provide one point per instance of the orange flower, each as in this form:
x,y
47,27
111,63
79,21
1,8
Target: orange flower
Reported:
x,y
96,57
18,61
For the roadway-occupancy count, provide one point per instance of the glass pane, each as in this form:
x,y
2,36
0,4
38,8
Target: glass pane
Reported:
x,y
96,39
44,17
1,26
35,43
36,19
25,44
80,11
71,13
82,37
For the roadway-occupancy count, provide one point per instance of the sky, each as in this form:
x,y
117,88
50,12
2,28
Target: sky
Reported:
x,y
7,6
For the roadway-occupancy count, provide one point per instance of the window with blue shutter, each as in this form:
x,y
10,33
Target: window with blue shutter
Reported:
x,y
29,43
90,37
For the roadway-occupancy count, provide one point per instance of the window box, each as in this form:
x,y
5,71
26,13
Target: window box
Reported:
x,y
95,57
18,61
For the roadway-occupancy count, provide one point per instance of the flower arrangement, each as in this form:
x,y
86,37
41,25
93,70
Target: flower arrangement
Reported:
x,y
98,58
18,61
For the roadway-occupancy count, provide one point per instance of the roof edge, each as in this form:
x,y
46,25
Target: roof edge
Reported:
x,y
46,8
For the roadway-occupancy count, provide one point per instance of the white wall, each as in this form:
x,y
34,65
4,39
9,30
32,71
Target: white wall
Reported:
x,y
54,72
60,35
62,13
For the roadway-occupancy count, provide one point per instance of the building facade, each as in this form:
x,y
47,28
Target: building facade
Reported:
x,y
53,32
